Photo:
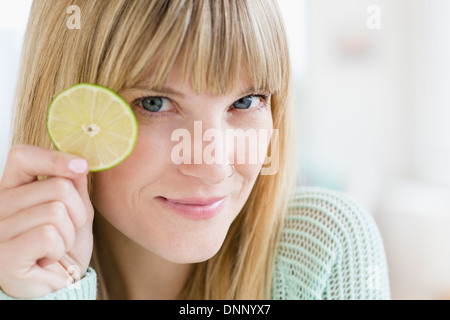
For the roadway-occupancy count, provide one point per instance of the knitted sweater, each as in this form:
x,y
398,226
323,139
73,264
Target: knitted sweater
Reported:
x,y
330,248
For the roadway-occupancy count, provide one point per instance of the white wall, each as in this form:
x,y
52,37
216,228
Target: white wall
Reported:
x,y
414,213
374,121
430,53
13,18
353,106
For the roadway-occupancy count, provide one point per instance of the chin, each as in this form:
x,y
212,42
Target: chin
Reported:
x,y
189,252
191,259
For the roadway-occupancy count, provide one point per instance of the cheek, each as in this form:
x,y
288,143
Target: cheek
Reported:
x,y
150,156
117,188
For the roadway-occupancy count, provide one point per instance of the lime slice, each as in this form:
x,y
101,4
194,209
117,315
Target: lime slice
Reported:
x,y
92,122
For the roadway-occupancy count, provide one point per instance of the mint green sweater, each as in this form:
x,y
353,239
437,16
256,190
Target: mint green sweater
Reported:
x,y
330,248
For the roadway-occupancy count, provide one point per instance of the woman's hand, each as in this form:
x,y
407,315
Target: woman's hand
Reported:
x,y
45,226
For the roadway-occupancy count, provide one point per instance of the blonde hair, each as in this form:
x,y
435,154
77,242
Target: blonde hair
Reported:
x,y
119,41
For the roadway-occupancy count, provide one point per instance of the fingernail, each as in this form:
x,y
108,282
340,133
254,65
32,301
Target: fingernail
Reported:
x,y
78,165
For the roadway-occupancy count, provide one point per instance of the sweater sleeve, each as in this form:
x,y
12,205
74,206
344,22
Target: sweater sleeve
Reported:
x,y
84,289
330,248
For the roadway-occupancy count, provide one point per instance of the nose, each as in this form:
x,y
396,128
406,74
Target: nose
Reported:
x,y
209,173
209,150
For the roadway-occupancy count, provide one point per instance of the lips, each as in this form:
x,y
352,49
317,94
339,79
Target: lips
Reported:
x,y
196,201
195,208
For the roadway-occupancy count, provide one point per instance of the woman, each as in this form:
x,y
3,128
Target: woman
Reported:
x,y
224,64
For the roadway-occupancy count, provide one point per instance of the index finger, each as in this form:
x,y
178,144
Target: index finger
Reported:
x,y
25,163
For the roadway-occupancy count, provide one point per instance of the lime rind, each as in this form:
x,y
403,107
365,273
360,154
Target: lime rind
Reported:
x,y
114,96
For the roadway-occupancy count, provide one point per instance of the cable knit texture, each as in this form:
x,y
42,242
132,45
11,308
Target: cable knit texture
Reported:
x,y
85,289
330,248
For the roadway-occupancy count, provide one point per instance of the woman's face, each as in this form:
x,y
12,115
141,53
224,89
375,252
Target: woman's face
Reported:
x,y
174,209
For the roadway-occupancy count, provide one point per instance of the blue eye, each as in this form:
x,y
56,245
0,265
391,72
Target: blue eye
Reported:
x,y
153,104
157,106
247,102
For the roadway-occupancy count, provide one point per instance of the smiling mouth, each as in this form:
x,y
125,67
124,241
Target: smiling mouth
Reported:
x,y
196,201
195,208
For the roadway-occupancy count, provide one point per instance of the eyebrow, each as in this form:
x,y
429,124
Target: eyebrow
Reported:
x,y
163,90
170,91
251,90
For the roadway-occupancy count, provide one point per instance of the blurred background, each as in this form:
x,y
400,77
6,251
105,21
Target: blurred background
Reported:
x,y
372,114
